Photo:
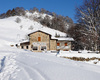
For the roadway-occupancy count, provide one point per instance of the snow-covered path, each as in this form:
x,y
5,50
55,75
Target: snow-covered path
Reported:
x,y
19,64
39,66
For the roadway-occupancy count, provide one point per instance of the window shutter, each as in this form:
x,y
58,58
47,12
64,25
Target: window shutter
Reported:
x,y
39,38
58,44
65,44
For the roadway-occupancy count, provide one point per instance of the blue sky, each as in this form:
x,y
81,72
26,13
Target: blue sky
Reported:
x,y
61,7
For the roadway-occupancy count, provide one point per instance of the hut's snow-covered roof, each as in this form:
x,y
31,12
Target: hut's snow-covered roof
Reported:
x,y
63,38
50,31
53,33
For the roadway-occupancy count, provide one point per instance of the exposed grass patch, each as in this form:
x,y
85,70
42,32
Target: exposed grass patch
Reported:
x,y
12,45
82,59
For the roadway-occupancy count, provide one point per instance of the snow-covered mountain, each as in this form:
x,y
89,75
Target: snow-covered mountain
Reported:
x,y
17,64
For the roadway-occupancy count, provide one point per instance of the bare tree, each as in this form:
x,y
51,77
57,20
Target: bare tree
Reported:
x,y
30,28
20,11
26,37
8,13
88,15
21,26
2,15
42,10
35,9
18,20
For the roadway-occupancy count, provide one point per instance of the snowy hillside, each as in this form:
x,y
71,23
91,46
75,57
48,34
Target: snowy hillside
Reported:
x,y
21,29
17,64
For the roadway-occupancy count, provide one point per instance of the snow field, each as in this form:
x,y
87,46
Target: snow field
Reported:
x,y
52,68
83,54
8,67
18,64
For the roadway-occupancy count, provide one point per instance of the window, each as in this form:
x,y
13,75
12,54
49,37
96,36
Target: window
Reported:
x,y
26,47
43,48
35,48
31,46
65,44
22,47
16,45
39,38
58,44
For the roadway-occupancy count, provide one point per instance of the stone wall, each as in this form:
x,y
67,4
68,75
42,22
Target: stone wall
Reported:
x,y
53,45
63,47
45,38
